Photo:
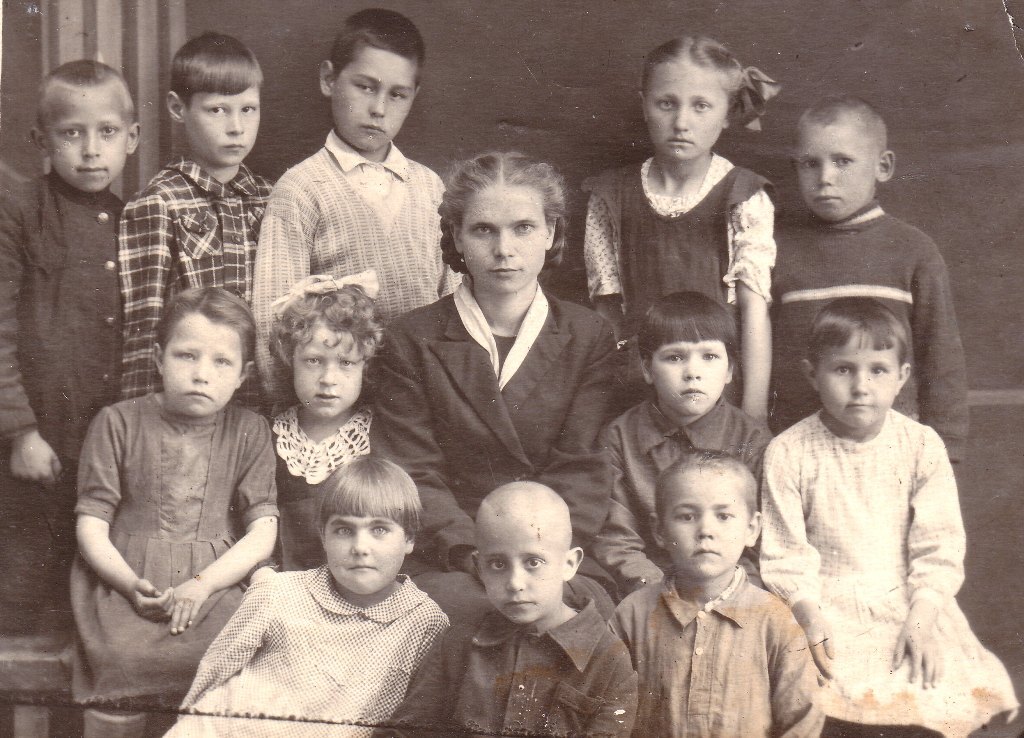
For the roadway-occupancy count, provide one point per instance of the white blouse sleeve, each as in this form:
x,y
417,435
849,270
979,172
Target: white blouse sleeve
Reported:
x,y
601,249
790,565
752,245
936,542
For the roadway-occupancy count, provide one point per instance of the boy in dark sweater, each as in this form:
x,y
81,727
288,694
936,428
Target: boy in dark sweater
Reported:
x,y
60,337
848,246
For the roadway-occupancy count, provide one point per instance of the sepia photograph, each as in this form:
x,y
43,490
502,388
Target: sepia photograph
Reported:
x,y
408,369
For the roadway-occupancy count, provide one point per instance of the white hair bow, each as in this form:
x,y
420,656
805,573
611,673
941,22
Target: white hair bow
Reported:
x,y
321,284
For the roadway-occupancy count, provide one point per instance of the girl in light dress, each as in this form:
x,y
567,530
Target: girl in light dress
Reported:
x,y
863,537
687,219
328,651
176,505
324,333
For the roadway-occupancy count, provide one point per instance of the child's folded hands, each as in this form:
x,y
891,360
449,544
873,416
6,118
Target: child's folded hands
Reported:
x,y
149,602
187,601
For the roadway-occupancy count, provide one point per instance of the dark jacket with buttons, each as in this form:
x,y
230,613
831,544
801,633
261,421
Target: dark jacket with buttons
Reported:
x,y
59,310
497,678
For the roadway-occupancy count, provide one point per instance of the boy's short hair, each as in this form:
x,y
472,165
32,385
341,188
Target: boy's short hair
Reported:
x,y
830,109
215,304
214,62
704,460
381,29
687,316
83,73
838,322
372,487
472,176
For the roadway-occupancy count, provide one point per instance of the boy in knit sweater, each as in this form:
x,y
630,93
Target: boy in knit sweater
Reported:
x,y
357,203
847,246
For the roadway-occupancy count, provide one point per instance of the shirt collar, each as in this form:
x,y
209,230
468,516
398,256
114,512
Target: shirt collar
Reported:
x,y
348,159
577,637
243,183
863,215
704,432
404,599
734,603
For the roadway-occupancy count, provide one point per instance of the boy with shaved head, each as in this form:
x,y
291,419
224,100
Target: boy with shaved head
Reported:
x,y
60,338
716,655
534,665
847,246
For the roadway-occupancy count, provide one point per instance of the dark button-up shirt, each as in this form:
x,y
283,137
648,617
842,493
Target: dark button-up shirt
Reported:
x,y
59,310
640,444
498,678
740,667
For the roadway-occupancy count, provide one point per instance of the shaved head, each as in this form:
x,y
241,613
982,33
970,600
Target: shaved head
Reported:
x,y
527,508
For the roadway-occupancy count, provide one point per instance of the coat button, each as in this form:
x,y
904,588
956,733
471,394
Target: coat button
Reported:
x,y
109,320
110,266
698,651
103,217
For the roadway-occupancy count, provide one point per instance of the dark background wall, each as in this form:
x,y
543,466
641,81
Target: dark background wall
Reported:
x,y
558,80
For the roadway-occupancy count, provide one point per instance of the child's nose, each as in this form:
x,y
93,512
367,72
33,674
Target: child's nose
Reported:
x,y
504,244
516,579
360,543
90,144
378,105
235,124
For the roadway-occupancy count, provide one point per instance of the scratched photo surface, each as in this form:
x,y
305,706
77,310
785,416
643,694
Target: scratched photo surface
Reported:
x,y
558,80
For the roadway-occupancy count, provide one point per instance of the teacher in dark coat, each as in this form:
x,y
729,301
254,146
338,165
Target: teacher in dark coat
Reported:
x,y
498,381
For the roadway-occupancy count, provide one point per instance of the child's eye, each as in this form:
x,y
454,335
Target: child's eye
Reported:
x,y
216,109
842,370
249,109
222,361
109,131
313,360
524,229
725,516
380,530
701,106
398,95
710,356
186,355
483,230
534,563
879,370
666,105
70,133
684,517
843,161
496,565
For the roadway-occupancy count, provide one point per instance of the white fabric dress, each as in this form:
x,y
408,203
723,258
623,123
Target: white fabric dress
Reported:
x,y
864,529
297,660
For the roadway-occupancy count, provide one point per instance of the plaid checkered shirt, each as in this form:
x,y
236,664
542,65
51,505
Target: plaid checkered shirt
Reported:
x,y
185,229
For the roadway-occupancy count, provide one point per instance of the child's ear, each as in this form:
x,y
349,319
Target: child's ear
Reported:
x,y
247,370
573,559
886,166
176,107
808,369
474,556
134,133
158,357
39,139
643,104
753,529
904,374
410,543
327,77
656,531
645,369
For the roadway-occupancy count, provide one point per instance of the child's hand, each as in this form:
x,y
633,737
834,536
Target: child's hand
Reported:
x,y
819,635
188,600
917,643
149,602
33,459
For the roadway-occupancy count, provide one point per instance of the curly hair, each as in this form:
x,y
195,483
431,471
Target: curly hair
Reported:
x,y
472,176
348,310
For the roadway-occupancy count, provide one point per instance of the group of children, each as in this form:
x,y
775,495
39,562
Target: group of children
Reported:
x,y
143,325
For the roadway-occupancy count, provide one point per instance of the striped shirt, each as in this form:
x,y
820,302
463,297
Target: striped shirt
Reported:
x,y
185,229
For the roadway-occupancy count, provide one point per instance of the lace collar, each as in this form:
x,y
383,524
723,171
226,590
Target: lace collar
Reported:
x,y
314,461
